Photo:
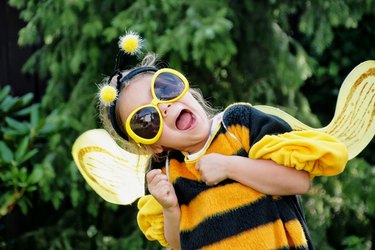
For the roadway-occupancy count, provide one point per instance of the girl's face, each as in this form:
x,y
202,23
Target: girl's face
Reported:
x,y
186,125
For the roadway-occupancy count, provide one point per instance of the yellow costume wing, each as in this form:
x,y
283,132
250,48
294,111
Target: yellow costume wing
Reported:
x,y
115,174
353,122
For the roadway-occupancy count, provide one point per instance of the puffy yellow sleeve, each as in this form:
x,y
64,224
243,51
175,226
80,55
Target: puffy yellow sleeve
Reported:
x,y
151,220
315,152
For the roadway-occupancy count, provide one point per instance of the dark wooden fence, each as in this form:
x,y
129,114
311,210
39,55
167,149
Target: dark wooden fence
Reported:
x,y
12,57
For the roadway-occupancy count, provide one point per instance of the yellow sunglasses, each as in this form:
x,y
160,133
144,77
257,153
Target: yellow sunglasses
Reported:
x,y
145,124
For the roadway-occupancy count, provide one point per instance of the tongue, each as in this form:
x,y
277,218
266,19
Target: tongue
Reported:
x,y
184,121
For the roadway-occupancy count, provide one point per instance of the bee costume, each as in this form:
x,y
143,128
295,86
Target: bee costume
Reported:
x,y
230,215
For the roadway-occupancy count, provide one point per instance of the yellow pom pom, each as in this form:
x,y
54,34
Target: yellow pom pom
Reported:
x,y
130,43
108,94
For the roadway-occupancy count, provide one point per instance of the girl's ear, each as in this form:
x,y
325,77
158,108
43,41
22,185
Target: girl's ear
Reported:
x,y
157,148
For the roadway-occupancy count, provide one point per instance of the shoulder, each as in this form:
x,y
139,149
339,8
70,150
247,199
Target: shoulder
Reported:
x,y
258,122
243,113
238,113
238,107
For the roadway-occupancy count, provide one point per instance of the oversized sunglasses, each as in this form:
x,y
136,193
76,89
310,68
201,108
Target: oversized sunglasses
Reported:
x,y
145,124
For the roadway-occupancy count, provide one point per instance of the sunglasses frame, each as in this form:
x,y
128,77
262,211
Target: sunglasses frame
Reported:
x,y
154,103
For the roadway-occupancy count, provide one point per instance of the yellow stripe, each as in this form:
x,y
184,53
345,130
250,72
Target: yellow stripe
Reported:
x,y
214,201
242,133
296,236
224,144
181,169
269,236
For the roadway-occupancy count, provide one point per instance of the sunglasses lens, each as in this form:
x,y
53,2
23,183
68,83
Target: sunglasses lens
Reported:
x,y
168,86
145,123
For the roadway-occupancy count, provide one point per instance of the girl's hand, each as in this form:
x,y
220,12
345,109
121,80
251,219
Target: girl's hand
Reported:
x,y
161,189
213,168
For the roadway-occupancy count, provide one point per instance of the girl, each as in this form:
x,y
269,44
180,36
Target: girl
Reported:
x,y
212,192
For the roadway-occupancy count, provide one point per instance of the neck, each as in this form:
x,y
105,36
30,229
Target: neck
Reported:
x,y
200,145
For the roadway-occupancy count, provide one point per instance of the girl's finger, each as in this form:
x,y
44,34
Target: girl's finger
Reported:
x,y
197,166
152,174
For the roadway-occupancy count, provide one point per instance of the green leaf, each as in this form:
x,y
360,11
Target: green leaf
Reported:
x,y
92,208
28,155
34,116
22,176
5,153
26,99
48,128
110,34
11,134
17,3
4,92
36,175
23,112
57,198
21,150
92,29
75,196
23,206
8,103
19,126
28,35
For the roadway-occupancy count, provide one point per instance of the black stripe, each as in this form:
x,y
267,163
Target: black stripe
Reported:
x,y
242,152
177,155
231,223
294,248
289,208
186,189
159,161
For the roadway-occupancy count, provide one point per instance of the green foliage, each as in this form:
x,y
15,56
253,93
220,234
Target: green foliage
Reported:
x,y
292,54
23,130
71,232
344,207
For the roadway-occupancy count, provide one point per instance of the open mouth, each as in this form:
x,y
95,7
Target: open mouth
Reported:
x,y
185,120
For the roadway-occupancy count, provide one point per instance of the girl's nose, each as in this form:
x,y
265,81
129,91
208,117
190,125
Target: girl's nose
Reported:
x,y
164,107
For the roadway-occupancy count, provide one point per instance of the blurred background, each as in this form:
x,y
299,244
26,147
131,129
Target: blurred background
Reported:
x,y
289,54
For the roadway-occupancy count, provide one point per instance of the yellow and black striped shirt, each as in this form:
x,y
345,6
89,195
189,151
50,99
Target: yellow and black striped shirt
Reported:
x,y
231,215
